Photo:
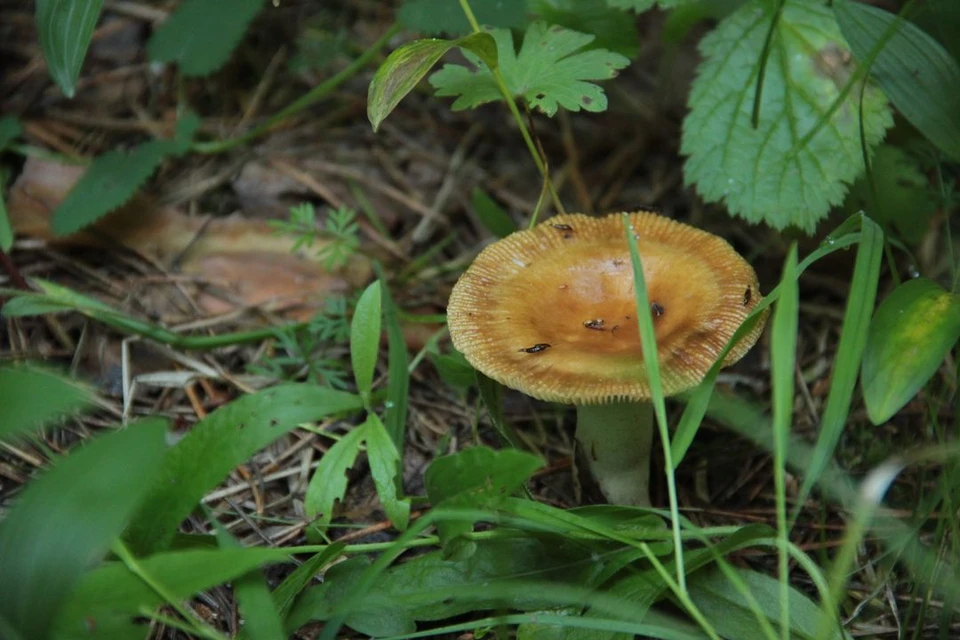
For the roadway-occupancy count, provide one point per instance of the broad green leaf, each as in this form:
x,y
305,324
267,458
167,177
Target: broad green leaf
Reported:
x,y
112,589
32,398
365,337
65,520
200,35
904,201
549,72
643,5
912,331
941,19
406,66
492,215
65,28
478,477
329,481
774,173
921,79
115,176
595,17
853,339
9,130
6,231
734,617
433,17
385,469
418,589
219,443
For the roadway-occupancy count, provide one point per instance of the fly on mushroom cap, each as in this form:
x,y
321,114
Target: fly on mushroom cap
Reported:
x,y
550,311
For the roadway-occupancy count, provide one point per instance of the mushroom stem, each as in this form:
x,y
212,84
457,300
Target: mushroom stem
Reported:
x,y
616,440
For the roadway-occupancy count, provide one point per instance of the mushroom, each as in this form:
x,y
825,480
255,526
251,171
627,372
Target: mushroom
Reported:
x,y
551,311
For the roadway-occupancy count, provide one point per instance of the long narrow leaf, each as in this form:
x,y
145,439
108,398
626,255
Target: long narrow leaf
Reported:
x,y
65,28
853,338
219,443
65,520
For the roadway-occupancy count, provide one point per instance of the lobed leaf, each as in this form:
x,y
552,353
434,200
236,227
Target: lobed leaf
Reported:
x,y
329,481
911,333
798,161
406,66
218,444
921,79
385,468
200,35
65,28
549,72
65,520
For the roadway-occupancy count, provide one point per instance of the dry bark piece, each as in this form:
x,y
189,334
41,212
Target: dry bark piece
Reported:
x,y
551,312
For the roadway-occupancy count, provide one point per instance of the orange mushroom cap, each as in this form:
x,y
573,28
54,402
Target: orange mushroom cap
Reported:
x,y
551,311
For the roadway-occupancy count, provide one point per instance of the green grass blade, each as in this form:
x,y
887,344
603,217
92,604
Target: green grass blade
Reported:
x,y
31,398
648,338
853,339
783,354
699,399
66,519
218,444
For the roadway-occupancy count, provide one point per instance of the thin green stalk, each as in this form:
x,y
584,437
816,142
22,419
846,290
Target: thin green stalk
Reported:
x,y
783,358
515,112
197,626
319,92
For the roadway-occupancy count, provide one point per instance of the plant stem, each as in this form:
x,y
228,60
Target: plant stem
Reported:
x,y
320,91
515,112
616,439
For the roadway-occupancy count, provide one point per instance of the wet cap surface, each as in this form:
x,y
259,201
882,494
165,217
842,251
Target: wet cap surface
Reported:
x,y
551,311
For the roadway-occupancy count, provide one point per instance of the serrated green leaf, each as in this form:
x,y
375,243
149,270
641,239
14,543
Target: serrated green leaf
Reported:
x,y
904,200
65,28
549,72
112,589
32,398
65,520
111,180
595,17
365,337
200,35
911,333
492,215
733,617
921,79
329,481
385,467
406,66
115,176
433,17
763,174
219,443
